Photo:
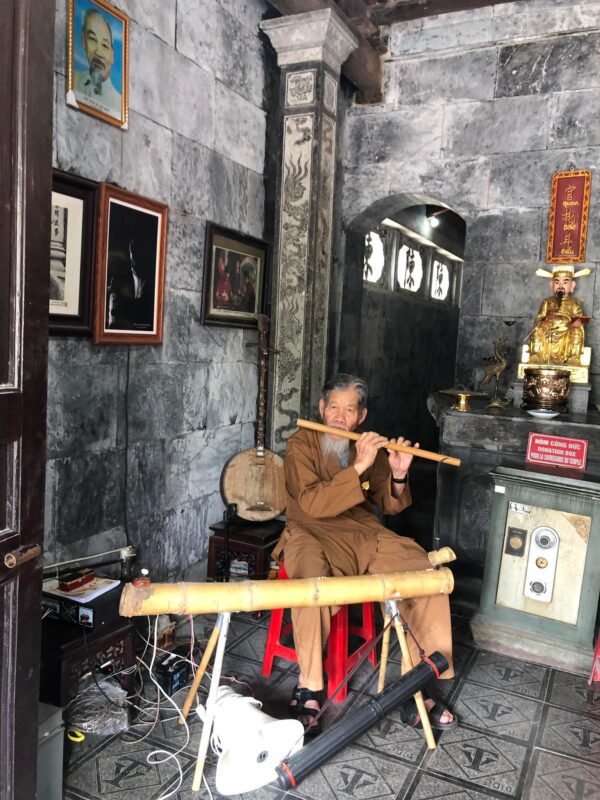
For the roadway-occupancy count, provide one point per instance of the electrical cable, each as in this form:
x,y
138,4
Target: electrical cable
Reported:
x,y
152,757
126,470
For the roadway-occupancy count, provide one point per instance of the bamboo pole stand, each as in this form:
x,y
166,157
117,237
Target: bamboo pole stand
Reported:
x,y
391,615
223,598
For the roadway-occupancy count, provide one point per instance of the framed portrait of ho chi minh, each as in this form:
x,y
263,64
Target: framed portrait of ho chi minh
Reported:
x,y
130,268
72,253
98,60
235,269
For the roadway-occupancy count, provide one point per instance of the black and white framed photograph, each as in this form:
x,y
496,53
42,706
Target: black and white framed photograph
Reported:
x,y
72,252
235,268
130,268
98,60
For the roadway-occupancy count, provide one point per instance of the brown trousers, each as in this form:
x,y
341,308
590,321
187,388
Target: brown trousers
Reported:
x,y
321,554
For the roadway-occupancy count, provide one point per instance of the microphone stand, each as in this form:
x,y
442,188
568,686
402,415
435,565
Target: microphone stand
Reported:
x,y
228,516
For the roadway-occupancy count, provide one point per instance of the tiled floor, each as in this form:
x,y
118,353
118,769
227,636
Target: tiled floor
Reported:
x,y
527,731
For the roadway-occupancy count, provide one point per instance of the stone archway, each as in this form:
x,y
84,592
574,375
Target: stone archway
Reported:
x,y
404,346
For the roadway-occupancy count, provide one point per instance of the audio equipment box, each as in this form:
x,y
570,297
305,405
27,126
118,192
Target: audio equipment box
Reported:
x,y
82,610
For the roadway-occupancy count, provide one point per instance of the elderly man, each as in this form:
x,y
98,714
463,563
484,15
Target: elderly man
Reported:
x,y
95,83
331,530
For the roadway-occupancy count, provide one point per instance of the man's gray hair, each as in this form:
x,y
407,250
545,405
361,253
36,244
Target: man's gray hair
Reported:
x,y
344,381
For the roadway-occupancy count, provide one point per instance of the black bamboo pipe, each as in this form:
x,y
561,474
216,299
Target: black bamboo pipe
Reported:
x,y
295,768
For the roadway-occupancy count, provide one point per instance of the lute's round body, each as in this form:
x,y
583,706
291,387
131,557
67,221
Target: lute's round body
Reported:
x,y
254,481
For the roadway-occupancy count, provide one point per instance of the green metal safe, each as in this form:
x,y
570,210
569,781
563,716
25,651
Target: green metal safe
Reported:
x,y
542,571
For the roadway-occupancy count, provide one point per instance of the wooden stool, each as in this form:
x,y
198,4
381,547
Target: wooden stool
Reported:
x,y
339,661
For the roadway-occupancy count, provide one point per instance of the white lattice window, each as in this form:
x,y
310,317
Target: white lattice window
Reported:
x,y
374,258
440,281
410,269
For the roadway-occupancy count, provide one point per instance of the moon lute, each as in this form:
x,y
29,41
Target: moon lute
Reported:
x,y
253,479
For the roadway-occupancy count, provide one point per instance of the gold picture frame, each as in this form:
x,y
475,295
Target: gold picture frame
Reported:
x,y
98,60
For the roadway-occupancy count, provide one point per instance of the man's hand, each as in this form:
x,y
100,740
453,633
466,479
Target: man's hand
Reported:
x,y
366,450
400,462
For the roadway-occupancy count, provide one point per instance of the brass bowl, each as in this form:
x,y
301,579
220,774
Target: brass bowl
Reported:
x,y
546,387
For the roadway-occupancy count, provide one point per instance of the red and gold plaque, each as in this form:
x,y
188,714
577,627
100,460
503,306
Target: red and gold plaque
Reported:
x,y
569,209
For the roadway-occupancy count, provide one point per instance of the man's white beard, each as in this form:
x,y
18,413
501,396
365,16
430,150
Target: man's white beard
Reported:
x,y
97,79
334,446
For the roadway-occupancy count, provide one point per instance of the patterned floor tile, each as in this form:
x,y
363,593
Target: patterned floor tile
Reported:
x,y
186,792
572,734
356,773
391,736
498,712
121,769
250,643
502,702
247,673
554,777
571,691
509,674
481,759
169,731
429,787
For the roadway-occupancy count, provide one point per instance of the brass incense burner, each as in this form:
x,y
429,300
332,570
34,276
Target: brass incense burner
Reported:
x,y
546,388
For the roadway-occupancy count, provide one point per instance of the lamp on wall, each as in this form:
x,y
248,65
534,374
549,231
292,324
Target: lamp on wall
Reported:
x,y
433,217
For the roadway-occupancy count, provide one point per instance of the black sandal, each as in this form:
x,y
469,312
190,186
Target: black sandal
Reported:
x,y
409,714
302,696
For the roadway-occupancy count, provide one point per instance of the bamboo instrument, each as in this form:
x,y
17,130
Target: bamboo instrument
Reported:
x,y
442,556
415,451
213,598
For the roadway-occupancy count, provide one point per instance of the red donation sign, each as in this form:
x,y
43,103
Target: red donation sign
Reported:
x,y
569,209
557,451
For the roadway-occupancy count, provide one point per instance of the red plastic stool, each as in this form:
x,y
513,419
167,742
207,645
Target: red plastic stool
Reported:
x,y
339,661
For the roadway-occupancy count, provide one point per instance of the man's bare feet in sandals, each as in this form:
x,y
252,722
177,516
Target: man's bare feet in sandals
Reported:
x,y
440,717
305,705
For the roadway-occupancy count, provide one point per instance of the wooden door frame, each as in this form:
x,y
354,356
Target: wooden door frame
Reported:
x,y
26,85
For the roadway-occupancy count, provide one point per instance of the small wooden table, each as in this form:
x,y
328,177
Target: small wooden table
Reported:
x,y
251,542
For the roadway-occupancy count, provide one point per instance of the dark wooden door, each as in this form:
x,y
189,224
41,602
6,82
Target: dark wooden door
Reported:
x,y
26,58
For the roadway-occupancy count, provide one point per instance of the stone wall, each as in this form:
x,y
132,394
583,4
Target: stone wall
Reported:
x,y
481,108
142,433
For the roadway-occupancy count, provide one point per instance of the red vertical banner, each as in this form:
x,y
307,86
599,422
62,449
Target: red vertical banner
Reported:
x,y
569,210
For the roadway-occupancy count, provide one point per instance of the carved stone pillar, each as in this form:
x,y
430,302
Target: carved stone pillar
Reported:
x,y
311,48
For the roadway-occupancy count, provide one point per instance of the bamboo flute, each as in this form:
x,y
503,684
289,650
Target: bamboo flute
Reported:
x,y
415,451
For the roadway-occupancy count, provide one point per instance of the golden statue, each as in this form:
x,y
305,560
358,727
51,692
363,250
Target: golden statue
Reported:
x,y
558,336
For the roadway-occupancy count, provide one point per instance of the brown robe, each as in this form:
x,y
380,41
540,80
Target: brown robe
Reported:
x,y
331,530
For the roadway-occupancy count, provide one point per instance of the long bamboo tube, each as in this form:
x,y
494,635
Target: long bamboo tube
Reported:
x,y
415,451
211,598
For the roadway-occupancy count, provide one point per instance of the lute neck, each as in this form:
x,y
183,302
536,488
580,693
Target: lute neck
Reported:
x,y
263,367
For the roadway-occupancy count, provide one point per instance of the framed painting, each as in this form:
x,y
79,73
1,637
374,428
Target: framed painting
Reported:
x,y
235,269
72,251
98,60
130,268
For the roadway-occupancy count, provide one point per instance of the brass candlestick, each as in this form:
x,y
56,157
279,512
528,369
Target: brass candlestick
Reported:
x,y
462,402
463,398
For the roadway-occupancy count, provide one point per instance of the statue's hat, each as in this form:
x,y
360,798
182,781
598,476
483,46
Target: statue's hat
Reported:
x,y
563,271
